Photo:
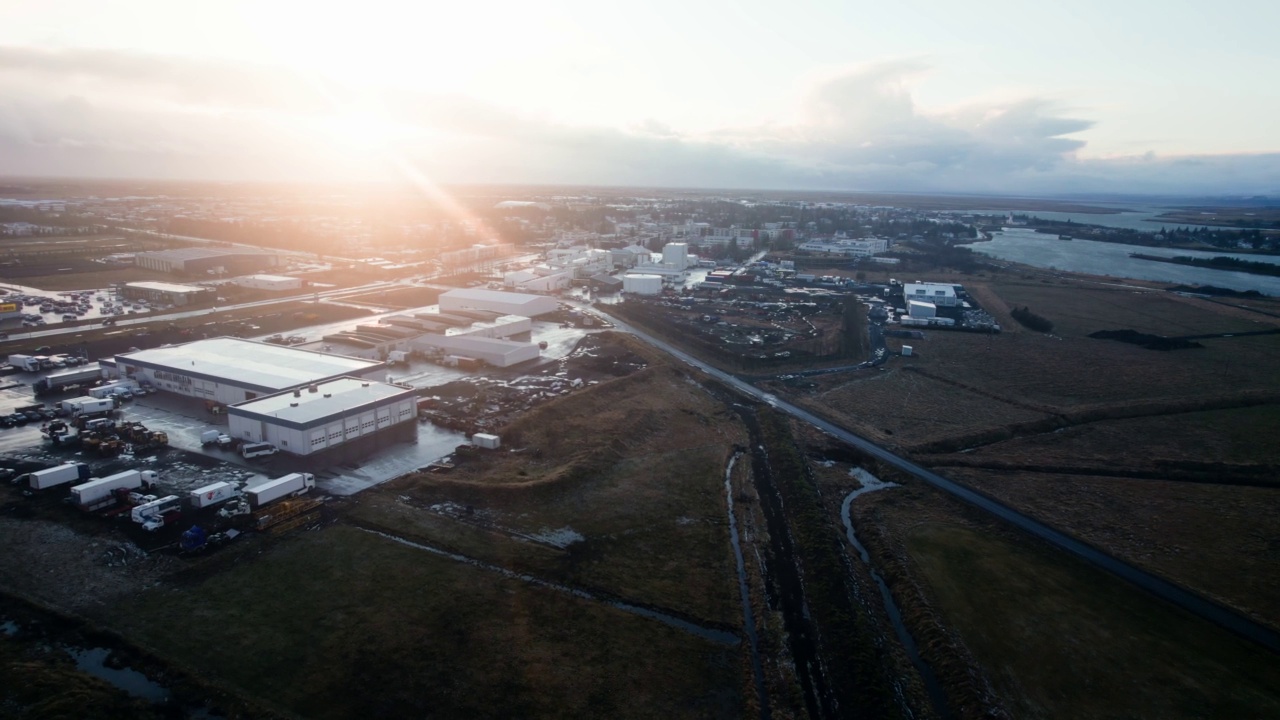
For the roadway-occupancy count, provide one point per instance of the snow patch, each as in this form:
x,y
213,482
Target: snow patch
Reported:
x,y
562,538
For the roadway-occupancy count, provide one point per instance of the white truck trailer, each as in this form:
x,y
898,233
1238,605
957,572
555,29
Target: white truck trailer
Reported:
x,y
60,475
211,495
101,492
272,490
88,406
24,362
67,379
106,391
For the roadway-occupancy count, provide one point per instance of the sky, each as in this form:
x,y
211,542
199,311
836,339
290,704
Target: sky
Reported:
x,y
1002,96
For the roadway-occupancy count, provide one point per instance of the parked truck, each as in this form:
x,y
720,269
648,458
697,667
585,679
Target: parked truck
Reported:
x,y
88,407
158,513
272,490
110,389
60,475
24,362
101,492
211,495
66,380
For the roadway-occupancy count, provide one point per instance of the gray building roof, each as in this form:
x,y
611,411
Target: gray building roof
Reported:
x,y
332,399
243,363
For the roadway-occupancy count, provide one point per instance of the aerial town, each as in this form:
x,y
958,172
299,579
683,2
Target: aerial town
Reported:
x,y
205,387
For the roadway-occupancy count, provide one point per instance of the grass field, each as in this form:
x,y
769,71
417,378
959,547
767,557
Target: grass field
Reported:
x,y
907,408
341,623
634,466
1061,640
1078,309
1238,435
1217,539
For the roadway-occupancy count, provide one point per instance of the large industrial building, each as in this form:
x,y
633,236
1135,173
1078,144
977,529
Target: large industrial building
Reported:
x,y
504,303
169,293
492,351
940,294
274,283
206,261
226,371
341,416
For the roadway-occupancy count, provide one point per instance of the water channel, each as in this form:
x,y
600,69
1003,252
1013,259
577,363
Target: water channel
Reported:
x,y
937,697
748,619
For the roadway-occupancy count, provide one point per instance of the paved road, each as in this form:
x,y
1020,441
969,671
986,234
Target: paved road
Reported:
x,y
143,318
1179,596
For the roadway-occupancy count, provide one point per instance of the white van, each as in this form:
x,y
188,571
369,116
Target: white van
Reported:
x,y
253,450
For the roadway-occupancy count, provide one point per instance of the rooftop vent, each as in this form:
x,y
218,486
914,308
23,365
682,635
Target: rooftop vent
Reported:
x,y
297,392
313,388
293,404
328,395
364,384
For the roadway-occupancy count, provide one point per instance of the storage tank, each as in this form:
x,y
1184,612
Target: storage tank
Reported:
x,y
642,284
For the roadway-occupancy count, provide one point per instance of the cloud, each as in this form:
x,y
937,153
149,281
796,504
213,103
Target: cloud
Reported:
x,y
107,112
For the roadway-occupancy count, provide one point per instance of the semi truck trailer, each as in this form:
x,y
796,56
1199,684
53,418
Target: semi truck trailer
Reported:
x,y
60,475
272,490
211,495
101,492
57,382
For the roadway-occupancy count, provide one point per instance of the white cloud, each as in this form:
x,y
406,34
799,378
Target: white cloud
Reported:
x,y
112,113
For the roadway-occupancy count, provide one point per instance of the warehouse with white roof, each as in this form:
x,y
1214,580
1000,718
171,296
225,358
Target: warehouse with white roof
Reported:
x,y
940,294
505,303
230,370
340,417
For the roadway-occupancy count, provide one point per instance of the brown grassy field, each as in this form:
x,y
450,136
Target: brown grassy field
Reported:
x,y
1240,435
1078,309
909,409
1062,640
341,623
1217,539
634,466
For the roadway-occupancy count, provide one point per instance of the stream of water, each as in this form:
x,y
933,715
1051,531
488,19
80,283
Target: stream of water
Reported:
x,y
937,697
748,619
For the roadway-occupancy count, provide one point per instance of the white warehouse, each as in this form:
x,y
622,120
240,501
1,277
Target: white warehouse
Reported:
x,y
940,294
343,413
229,370
275,283
493,351
506,303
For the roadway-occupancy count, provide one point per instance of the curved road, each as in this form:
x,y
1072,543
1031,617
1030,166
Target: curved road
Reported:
x,y
1176,594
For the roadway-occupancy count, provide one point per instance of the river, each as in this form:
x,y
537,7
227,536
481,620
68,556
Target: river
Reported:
x,y
1128,217
1022,245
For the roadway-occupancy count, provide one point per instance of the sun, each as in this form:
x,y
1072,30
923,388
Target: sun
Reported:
x,y
361,130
